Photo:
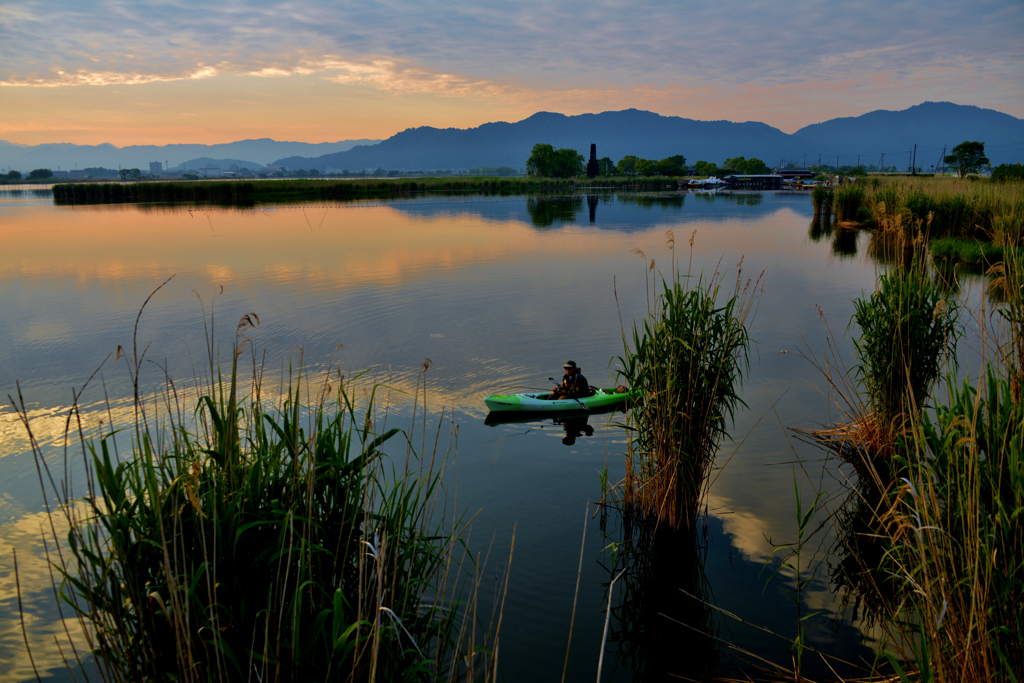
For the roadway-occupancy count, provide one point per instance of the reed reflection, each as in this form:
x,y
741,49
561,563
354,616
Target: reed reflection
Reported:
x,y
821,228
663,624
844,242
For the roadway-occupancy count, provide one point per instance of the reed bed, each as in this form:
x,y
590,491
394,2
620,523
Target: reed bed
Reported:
x,y
822,198
930,541
687,359
949,207
265,540
908,328
847,201
248,192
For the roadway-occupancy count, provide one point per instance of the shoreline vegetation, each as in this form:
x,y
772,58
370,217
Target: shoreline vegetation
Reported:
x,y
273,533
251,192
963,221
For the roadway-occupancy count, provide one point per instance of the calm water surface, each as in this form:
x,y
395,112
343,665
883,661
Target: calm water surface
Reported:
x,y
497,293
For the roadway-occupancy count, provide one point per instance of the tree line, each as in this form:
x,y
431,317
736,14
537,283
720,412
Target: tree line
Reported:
x,y
547,162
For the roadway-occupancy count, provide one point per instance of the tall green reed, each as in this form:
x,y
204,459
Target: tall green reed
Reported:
x,y
847,201
907,329
956,533
686,358
243,538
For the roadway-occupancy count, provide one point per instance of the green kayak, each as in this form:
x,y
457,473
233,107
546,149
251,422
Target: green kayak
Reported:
x,y
533,403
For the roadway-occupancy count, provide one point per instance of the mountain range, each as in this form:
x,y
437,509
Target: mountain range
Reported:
x,y
68,156
934,127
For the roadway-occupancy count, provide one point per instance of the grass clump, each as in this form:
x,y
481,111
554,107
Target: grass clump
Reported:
x,y
822,197
847,202
687,361
964,251
907,329
958,537
264,541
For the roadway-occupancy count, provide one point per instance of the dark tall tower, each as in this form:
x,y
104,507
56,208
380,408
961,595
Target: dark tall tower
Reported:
x,y
592,164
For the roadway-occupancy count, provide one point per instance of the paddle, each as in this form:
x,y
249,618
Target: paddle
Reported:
x,y
582,404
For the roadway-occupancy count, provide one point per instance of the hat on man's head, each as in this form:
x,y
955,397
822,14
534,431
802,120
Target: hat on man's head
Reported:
x,y
569,364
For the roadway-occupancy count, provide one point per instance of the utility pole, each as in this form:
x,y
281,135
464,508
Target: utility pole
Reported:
x,y
942,159
913,164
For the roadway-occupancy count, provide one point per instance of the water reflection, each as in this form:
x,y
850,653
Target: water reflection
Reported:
x,y
821,228
859,565
844,242
546,211
664,625
575,425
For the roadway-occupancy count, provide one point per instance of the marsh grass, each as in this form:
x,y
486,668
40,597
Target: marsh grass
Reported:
x,y
249,539
250,193
907,330
930,538
686,358
966,210
847,201
822,198
956,533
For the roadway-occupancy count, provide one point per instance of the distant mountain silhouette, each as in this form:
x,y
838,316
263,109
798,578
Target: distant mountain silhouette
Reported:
x,y
24,158
617,133
222,164
653,136
649,135
931,126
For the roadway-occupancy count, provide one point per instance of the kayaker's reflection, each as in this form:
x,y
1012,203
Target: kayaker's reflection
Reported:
x,y
575,427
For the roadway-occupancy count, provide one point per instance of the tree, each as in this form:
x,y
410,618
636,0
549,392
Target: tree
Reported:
x,y
706,168
967,157
627,164
547,162
744,166
40,173
1001,173
14,175
672,166
606,167
645,167
540,161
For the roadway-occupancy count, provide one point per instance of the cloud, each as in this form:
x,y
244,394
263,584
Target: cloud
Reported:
x,y
465,46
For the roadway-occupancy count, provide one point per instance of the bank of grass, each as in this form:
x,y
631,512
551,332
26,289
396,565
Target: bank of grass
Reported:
x,y
971,252
964,209
249,192
266,540
686,358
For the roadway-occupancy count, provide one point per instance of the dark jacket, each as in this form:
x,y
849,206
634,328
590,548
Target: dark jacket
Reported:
x,y
576,386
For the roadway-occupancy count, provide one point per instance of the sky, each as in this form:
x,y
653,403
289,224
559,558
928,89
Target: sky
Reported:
x,y
182,71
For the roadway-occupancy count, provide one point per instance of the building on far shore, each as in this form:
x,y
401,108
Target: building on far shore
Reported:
x,y
753,182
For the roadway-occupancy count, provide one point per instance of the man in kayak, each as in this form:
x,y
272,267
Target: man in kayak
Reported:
x,y
573,385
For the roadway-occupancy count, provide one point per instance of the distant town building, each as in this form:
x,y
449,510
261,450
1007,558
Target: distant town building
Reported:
x,y
156,167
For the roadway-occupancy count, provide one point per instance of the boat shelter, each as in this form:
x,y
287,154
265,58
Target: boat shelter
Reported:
x,y
754,182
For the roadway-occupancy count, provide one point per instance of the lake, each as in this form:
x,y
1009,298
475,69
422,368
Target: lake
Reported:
x,y
497,292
